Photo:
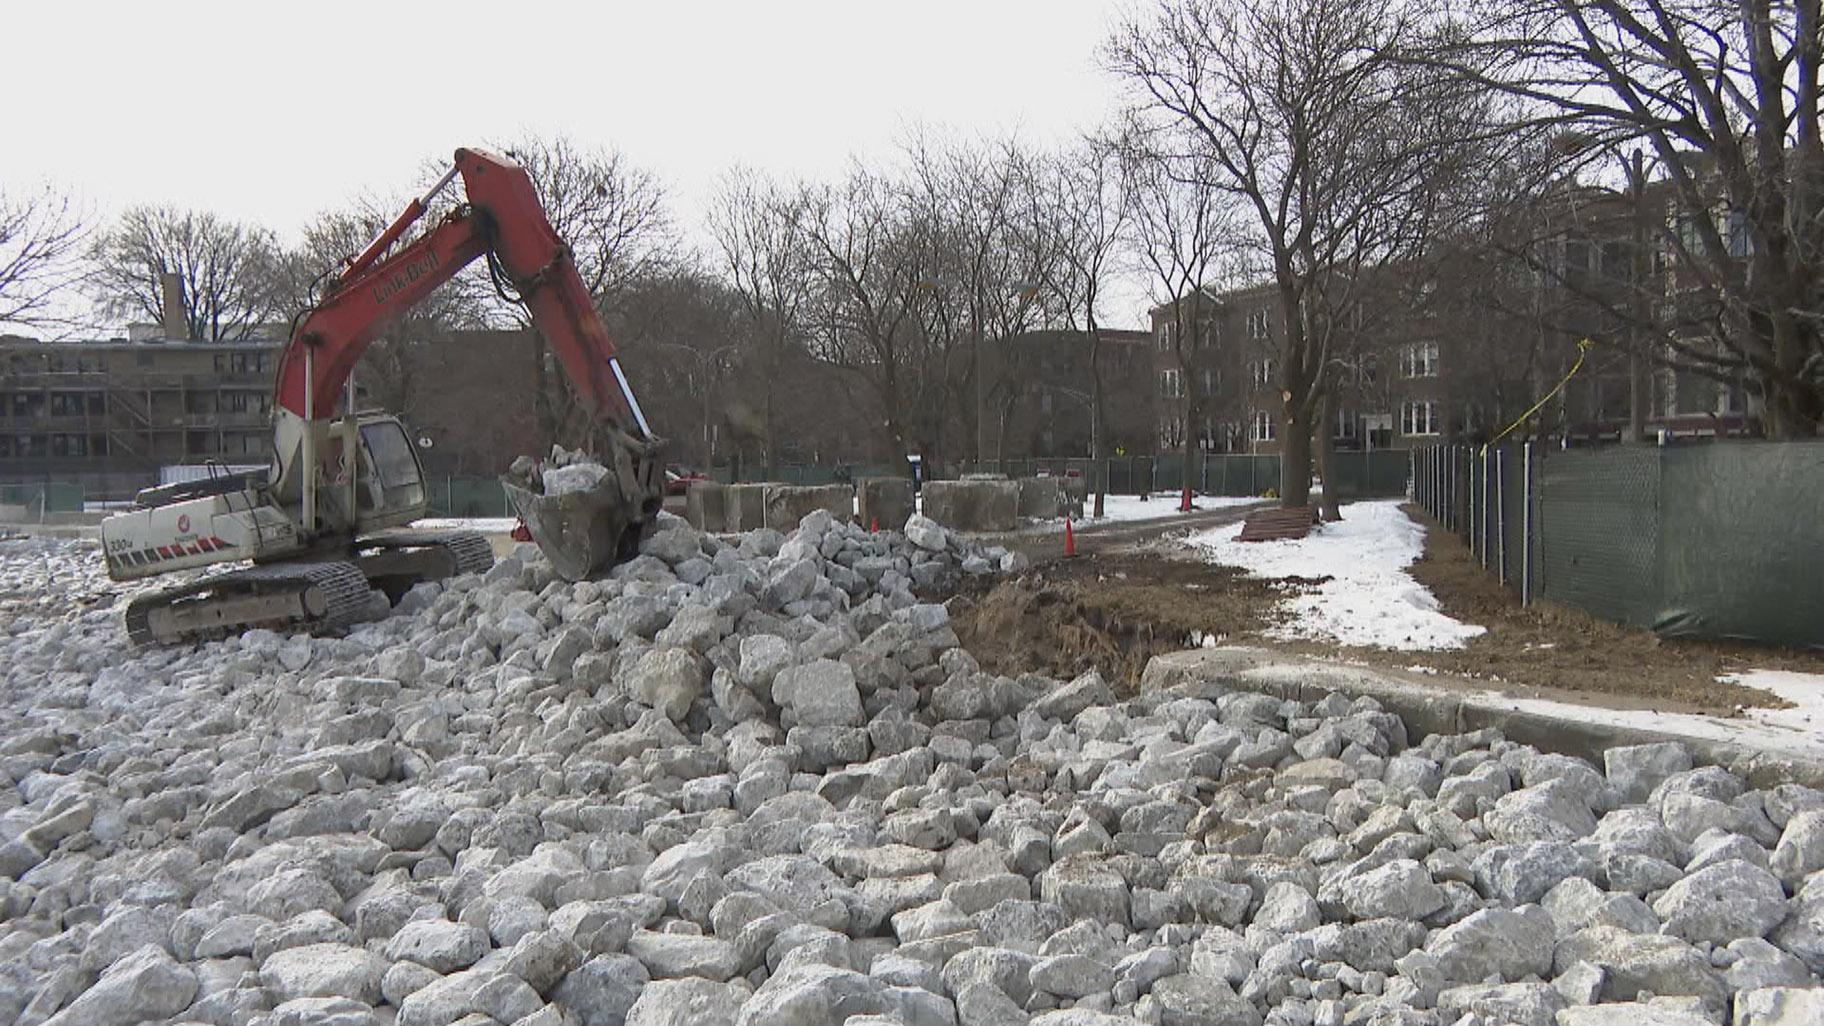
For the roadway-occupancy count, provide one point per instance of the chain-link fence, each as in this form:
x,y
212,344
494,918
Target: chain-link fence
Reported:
x,y
455,496
1720,540
36,501
1490,498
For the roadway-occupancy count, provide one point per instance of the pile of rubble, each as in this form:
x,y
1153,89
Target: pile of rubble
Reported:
x,y
755,781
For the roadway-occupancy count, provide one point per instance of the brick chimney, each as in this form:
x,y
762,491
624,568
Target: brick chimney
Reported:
x,y
176,325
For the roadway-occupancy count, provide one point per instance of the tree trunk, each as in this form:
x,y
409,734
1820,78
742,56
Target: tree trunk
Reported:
x,y
1097,470
1295,458
1326,457
1186,489
1638,383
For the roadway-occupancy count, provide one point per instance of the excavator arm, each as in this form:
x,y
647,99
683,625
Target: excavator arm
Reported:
x,y
502,220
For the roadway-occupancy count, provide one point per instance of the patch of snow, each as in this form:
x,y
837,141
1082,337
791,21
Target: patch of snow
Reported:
x,y
1804,690
1368,598
1797,731
485,525
1159,506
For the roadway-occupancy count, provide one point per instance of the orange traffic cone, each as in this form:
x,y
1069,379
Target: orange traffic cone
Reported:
x,y
1070,539
873,525
1184,503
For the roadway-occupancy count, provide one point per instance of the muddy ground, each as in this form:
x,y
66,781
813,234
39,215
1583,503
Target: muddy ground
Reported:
x,y
1117,607
1110,610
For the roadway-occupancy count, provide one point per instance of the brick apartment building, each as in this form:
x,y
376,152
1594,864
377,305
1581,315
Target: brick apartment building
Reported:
x,y
109,414
1448,356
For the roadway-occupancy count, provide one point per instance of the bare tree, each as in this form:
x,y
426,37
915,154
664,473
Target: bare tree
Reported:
x,y
1725,98
230,271
870,275
757,226
1301,112
1085,199
684,330
42,238
1184,236
964,197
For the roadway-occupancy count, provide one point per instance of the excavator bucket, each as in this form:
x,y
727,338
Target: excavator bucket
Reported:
x,y
580,532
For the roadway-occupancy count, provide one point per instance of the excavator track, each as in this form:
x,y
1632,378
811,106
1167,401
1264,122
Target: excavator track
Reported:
x,y
396,561
470,551
294,596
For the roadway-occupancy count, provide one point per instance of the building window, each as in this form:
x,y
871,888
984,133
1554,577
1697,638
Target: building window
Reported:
x,y
1165,335
1346,421
1045,401
249,402
1262,428
1258,327
1419,418
1209,379
1736,235
1171,433
1419,360
1729,400
1206,334
1261,373
1171,383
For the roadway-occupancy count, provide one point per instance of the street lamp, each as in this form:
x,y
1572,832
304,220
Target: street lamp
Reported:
x,y
1025,290
705,359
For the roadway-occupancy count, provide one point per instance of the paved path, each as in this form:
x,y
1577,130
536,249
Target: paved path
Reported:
x,y
1047,542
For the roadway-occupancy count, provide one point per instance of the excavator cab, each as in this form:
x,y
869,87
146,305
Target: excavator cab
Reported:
x,y
383,486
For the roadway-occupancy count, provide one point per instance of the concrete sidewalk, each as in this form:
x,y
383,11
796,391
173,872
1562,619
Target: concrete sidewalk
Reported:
x,y
1761,753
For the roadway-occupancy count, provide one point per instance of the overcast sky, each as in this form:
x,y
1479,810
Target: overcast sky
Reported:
x,y
274,111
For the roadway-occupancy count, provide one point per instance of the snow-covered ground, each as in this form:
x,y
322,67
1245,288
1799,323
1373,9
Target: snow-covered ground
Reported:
x,y
486,525
1132,508
1368,598
1117,508
1796,731
1804,690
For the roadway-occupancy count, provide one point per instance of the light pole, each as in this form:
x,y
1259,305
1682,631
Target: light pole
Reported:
x,y
706,359
1025,291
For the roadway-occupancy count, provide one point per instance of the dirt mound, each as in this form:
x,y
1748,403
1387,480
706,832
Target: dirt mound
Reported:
x,y
1113,612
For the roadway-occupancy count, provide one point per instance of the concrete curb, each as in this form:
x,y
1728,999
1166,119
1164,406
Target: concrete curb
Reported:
x,y
1433,710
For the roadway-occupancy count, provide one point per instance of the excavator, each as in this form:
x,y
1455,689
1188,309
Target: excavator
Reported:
x,y
325,524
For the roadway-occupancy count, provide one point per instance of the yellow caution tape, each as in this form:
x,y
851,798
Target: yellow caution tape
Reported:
x,y
1583,350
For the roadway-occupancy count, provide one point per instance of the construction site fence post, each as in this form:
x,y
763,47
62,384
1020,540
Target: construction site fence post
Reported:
x,y
1479,496
1526,528
1501,509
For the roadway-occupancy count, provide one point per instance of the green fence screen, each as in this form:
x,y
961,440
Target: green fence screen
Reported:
x,y
1717,540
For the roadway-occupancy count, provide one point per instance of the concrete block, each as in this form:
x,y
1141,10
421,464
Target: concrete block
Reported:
x,y
977,505
14,514
706,506
788,504
744,507
1041,498
886,501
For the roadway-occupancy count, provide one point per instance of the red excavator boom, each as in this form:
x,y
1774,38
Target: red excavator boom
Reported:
x,y
502,217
